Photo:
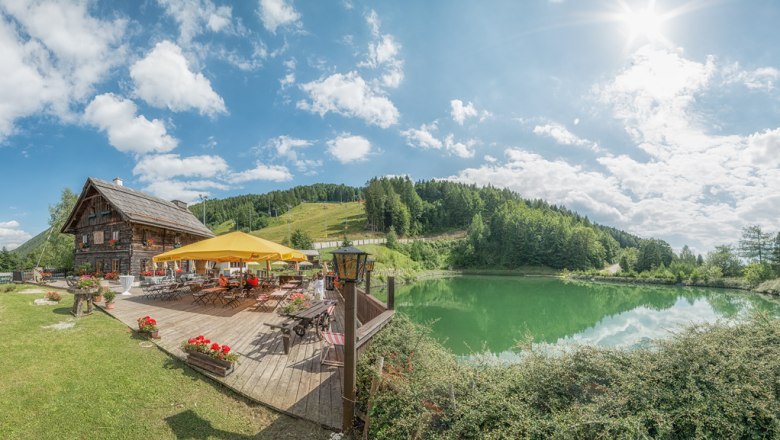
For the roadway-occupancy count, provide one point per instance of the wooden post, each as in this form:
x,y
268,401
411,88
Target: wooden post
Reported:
x,y
350,356
375,382
390,293
368,282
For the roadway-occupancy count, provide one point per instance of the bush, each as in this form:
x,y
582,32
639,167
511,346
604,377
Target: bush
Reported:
x,y
710,381
53,296
756,273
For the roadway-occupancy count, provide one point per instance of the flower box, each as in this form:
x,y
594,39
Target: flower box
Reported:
x,y
210,364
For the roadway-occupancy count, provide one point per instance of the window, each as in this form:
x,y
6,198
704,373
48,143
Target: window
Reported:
x,y
234,264
98,237
115,265
85,239
115,235
98,265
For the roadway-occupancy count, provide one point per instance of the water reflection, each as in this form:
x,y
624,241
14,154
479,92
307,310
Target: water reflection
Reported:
x,y
476,314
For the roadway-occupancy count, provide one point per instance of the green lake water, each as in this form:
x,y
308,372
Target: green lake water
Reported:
x,y
489,314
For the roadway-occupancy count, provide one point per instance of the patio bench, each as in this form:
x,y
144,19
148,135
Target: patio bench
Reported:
x,y
285,327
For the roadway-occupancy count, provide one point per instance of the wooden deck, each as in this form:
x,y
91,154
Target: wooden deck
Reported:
x,y
296,384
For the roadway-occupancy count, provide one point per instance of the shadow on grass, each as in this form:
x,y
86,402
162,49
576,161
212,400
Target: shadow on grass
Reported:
x,y
188,425
61,311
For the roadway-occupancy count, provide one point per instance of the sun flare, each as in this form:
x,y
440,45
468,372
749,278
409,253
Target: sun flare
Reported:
x,y
644,23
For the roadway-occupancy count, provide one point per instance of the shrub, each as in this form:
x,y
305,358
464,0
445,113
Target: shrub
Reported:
x,y
53,296
109,295
709,381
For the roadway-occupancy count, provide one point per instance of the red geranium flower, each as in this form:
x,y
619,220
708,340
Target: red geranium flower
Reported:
x,y
225,349
215,346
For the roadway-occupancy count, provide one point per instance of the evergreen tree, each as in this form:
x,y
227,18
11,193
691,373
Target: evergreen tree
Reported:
x,y
756,245
391,239
301,240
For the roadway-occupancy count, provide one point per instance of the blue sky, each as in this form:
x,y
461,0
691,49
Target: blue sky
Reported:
x,y
660,118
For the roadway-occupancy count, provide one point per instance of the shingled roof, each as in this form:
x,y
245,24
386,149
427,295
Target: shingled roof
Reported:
x,y
141,208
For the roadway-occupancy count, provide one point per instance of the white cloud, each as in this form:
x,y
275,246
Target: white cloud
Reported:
x,y
193,16
285,146
11,236
762,78
460,112
166,166
278,13
423,137
348,148
287,81
126,131
163,79
274,173
490,159
350,96
460,149
186,191
383,52
563,136
53,54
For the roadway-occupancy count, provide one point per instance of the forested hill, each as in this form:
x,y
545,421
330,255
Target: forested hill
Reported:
x,y
503,228
274,203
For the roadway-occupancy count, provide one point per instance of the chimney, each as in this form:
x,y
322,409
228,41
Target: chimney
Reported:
x,y
118,181
180,204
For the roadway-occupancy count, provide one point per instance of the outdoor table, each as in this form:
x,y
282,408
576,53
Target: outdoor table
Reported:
x,y
308,317
214,293
279,296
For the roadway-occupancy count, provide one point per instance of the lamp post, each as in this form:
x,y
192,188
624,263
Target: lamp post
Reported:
x,y
350,265
369,268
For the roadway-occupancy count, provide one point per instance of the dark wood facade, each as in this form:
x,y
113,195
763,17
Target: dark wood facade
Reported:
x,y
111,240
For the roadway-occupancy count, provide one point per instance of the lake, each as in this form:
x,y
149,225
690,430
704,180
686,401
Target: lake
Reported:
x,y
490,314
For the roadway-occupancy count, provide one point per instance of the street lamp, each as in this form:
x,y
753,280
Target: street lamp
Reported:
x,y
349,264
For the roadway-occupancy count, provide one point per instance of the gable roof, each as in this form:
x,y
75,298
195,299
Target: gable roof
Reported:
x,y
137,207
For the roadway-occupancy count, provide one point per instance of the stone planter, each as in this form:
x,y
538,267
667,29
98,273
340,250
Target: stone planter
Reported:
x,y
110,306
208,363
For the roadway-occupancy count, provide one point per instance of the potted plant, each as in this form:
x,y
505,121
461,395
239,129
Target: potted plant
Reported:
x,y
53,296
88,283
210,356
111,276
109,295
99,295
148,325
297,301
113,243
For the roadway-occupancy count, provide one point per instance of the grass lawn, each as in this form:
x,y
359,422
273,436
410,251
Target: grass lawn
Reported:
x,y
96,380
322,221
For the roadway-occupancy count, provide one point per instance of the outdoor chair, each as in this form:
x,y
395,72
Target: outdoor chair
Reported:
x,y
326,318
332,340
235,298
262,302
200,297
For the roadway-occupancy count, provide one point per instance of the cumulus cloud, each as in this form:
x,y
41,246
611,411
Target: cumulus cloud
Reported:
x,y
463,149
563,136
348,148
167,166
127,132
274,173
163,79
762,78
195,16
461,112
186,191
285,146
349,95
278,13
423,137
383,53
53,55
11,236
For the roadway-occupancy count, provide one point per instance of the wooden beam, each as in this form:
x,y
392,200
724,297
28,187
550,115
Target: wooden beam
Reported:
x,y
391,293
350,356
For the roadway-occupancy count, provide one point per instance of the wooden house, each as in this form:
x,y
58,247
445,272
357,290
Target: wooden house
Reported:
x,y
118,229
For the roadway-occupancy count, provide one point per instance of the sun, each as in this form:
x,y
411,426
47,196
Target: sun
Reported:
x,y
644,23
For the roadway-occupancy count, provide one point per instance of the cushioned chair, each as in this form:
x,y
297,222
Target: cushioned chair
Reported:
x,y
332,340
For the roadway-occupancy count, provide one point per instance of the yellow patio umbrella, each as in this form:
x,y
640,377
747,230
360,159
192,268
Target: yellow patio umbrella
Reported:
x,y
235,246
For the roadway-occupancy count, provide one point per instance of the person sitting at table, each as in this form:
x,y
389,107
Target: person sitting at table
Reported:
x,y
252,281
223,282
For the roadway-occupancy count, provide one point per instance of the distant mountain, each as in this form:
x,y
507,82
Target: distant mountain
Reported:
x,y
32,245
